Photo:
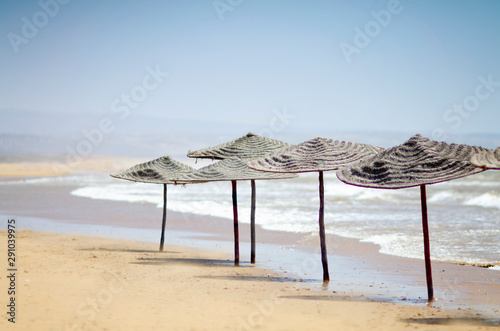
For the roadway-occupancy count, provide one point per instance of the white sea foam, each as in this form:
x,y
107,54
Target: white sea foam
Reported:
x,y
116,192
342,190
462,221
62,180
441,197
488,200
399,244
208,208
28,181
467,183
373,194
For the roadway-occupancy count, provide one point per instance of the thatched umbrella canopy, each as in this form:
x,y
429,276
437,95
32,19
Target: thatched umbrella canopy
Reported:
x,y
417,162
159,171
247,147
232,169
320,155
487,159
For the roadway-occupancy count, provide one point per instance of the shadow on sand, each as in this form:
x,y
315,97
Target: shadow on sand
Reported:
x,y
348,298
472,321
124,250
261,279
186,261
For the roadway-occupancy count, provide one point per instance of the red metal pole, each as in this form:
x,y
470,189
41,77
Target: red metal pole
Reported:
x,y
236,234
252,224
427,248
322,237
164,221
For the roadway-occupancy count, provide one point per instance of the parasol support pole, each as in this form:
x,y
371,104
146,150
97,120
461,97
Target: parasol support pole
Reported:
x,y
322,237
427,249
164,221
235,217
252,224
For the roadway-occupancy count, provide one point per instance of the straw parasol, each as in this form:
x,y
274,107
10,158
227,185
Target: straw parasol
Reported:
x,y
417,162
246,147
487,159
318,154
231,169
159,171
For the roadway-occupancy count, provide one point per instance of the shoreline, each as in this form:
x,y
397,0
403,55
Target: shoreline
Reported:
x,y
358,269
74,282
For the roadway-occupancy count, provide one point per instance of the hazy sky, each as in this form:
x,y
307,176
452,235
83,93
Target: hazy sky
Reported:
x,y
419,66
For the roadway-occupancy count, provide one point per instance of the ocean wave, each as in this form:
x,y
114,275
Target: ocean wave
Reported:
x,y
63,180
388,218
411,246
443,196
399,244
40,180
344,192
118,192
477,183
487,200
208,208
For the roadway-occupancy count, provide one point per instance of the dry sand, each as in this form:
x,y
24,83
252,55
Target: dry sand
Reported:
x,y
57,165
69,282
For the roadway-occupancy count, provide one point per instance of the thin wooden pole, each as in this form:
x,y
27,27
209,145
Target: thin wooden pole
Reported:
x,y
236,234
322,237
427,248
252,224
164,221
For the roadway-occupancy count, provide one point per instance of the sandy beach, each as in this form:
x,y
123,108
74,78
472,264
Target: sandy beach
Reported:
x,y
71,281
55,165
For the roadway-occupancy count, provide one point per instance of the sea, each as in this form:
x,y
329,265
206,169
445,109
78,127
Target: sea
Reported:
x,y
464,214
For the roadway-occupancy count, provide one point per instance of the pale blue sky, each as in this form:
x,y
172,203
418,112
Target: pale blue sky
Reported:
x,y
242,65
